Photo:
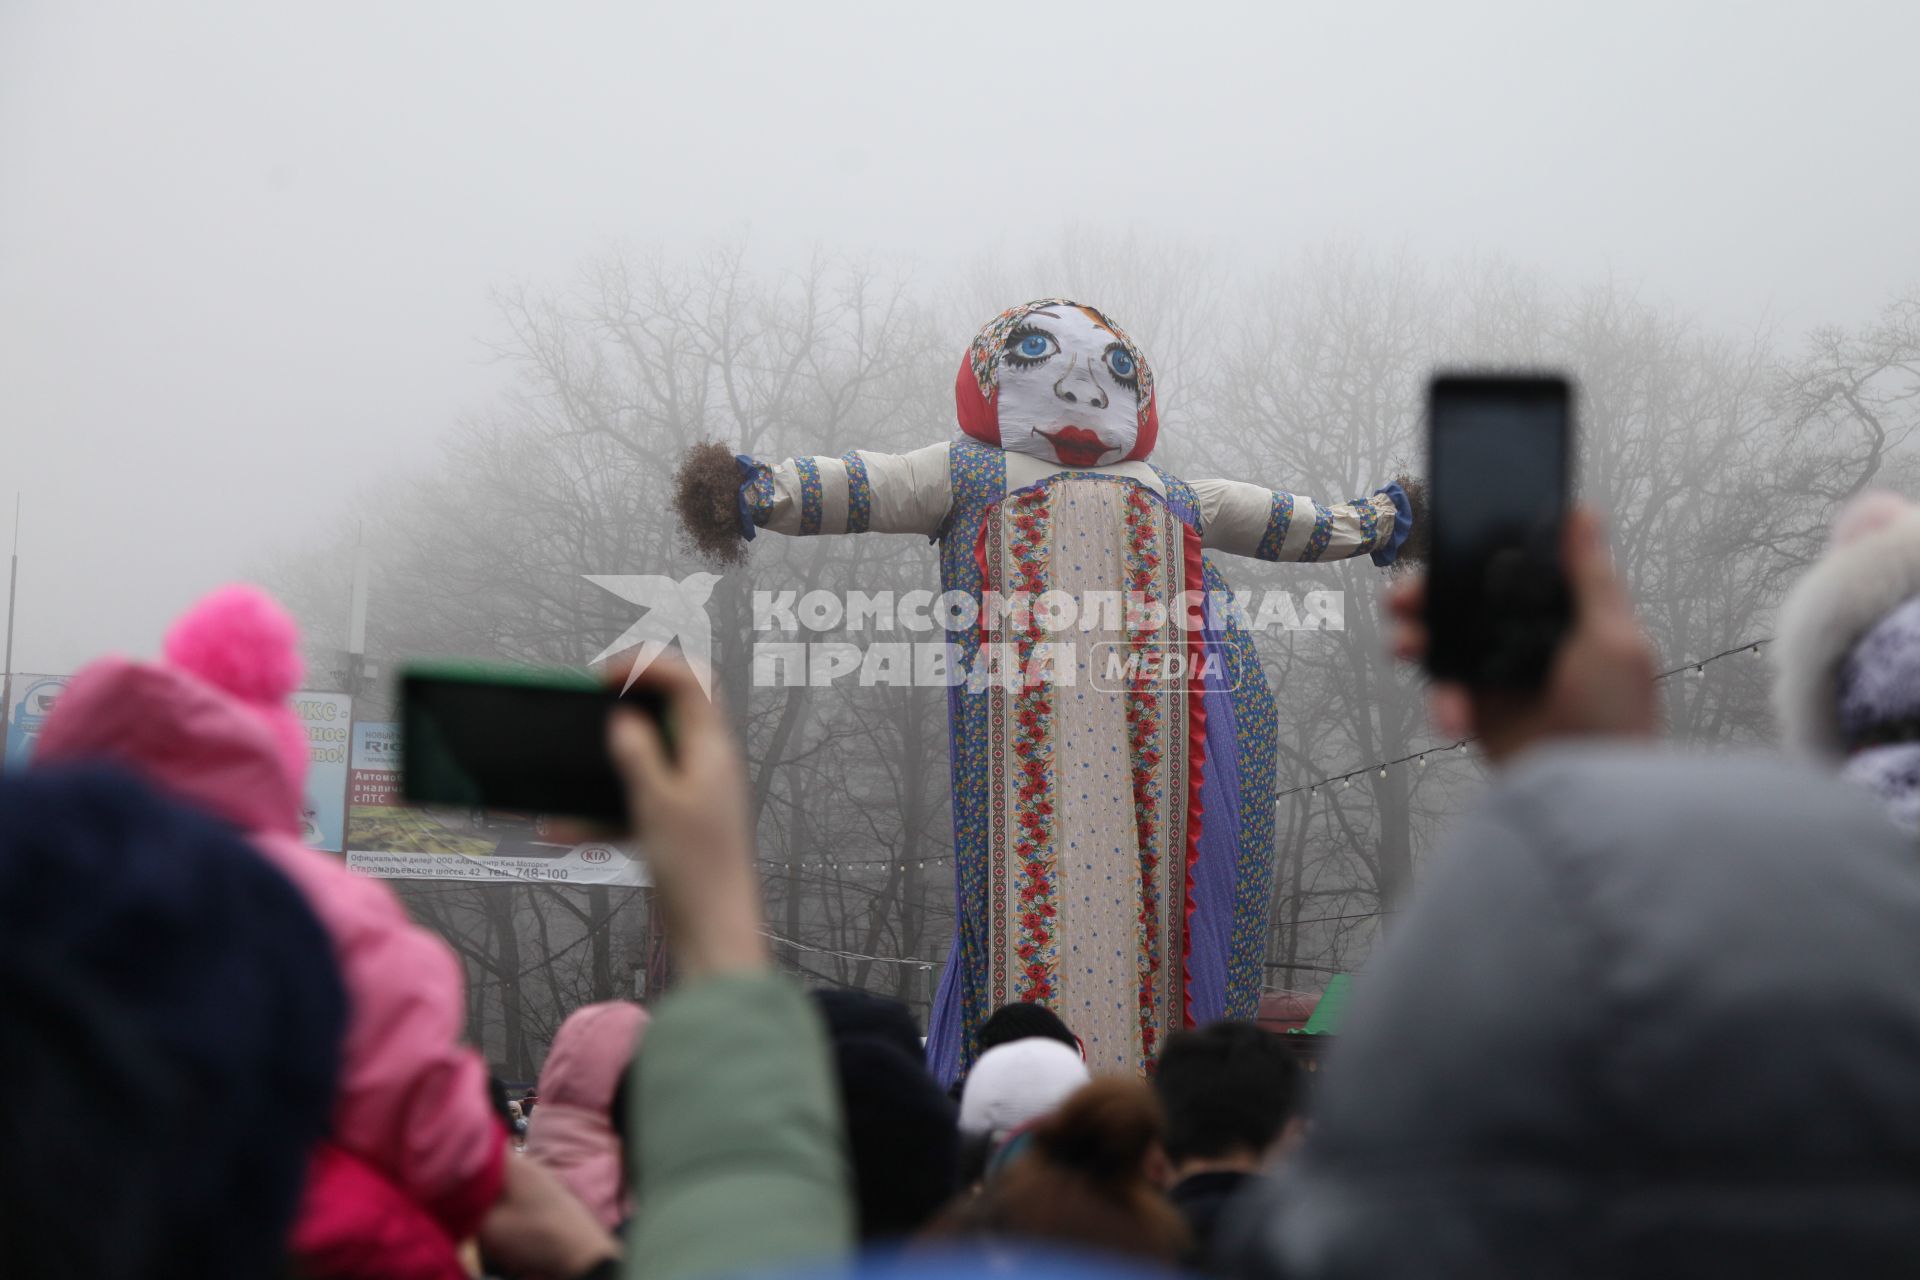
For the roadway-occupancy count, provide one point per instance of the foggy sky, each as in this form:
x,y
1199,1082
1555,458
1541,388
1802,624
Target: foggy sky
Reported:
x,y
245,249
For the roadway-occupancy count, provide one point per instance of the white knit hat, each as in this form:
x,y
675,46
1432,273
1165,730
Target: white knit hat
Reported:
x,y
1017,1083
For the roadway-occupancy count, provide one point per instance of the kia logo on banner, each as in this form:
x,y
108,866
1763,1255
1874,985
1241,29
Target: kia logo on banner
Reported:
x,y
596,853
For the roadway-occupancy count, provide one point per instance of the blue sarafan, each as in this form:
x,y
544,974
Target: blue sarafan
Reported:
x,y
1113,741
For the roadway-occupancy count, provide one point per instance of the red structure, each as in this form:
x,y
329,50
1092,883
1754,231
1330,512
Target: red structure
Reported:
x,y
1285,1011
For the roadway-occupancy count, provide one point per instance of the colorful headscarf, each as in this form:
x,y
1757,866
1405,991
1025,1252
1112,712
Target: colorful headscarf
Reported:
x,y
977,388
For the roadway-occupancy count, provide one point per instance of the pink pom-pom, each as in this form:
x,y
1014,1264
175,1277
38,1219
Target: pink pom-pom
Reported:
x,y
240,640
1867,514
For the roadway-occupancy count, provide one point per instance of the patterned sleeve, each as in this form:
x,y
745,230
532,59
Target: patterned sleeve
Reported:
x,y
1246,520
857,492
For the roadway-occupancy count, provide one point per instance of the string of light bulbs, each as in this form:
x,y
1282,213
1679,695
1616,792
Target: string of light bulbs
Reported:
x,y
913,961
1450,750
924,964
841,864
1416,758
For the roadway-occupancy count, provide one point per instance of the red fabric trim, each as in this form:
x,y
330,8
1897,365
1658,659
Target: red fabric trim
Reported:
x,y
979,417
461,1211
1194,579
1147,434
999,843
980,564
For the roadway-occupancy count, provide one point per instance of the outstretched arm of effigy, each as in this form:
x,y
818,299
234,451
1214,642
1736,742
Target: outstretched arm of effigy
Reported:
x,y
857,492
724,499
1248,520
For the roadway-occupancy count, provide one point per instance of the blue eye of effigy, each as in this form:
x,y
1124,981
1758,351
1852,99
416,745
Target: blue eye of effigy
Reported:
x,y
1120,362
1028,346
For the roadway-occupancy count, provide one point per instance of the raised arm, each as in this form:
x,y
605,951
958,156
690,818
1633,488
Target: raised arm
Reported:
x,y
1247,520
724,498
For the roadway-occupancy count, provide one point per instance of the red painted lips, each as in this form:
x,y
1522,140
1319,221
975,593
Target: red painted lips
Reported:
x,y
1076,446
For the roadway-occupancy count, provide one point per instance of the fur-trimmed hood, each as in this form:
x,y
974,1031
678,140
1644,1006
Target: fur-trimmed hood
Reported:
x,y
1871,568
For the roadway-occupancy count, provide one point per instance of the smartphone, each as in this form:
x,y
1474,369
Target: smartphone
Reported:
x,y
1499,476
522,740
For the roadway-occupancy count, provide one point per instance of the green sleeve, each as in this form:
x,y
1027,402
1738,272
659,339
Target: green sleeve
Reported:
x,y
741,1151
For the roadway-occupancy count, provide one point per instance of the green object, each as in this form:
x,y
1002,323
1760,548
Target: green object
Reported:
x,y
1328,1014
476,671
741,1161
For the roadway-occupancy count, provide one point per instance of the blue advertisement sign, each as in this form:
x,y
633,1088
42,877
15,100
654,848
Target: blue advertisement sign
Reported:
x,y
328,719
32,698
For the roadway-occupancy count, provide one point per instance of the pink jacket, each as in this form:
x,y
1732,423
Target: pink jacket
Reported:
x,y
412,1099
572,1127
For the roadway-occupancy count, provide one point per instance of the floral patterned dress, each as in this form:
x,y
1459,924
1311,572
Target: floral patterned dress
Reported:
x,y
1113,794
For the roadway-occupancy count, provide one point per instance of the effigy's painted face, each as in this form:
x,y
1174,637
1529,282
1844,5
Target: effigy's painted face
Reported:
x,y
1069,388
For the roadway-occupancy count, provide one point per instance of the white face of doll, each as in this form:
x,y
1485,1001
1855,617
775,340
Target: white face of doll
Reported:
x,y
1069,389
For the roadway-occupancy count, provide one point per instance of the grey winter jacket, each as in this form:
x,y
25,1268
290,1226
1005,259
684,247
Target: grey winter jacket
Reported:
x,y
1649,1015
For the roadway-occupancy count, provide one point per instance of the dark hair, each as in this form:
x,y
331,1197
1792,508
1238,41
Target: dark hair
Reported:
x,y
1083,1180
1022,1021
1227,1087
902,1134
902,1131
849,1013
497,1099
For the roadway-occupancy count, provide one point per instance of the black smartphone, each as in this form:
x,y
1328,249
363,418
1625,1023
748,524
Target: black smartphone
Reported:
x,y
1499,476
523,740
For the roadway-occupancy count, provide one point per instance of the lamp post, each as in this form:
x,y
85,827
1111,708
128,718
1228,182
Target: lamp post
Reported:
x,y
6,673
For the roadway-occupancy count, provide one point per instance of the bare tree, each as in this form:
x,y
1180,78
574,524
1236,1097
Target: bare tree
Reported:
x,y
1716,461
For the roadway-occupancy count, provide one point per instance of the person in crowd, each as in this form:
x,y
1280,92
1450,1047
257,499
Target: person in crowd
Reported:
x,y
503,1109
739,1149
1232,1094
1024,1020
1018,1020
1087,1175
507,1111
1846,654
849,1013
414,1160
1010,1087
170,1023
1693,1042
902,1129
574,1132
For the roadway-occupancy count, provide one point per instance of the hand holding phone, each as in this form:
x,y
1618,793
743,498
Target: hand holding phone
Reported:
x,y
692,806
1536,635
1600,682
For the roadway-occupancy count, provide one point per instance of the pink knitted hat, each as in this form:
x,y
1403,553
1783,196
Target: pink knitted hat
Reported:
x,y
242,642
